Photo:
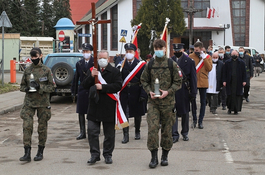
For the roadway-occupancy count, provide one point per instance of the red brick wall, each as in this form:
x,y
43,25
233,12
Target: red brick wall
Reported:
x,y
134,8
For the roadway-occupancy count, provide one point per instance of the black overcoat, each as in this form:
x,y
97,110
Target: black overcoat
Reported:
x,y
241,76
82,98
104,110
219,70
131,93
182,96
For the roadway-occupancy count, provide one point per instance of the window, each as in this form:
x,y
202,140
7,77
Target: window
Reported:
x,y
201,5
184,5
239,21
138,4
80,42
114,28
104,33
87,31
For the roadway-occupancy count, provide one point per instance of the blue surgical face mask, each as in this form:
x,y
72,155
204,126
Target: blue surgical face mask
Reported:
x,y
159,53
241,53
227,52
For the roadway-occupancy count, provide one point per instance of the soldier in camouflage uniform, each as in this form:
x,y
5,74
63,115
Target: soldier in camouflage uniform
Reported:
x,y
36,101
160,109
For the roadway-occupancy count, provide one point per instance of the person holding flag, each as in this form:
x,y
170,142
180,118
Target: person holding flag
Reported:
x,y
204,65
133,97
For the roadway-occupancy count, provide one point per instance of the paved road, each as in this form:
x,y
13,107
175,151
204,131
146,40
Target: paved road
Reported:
x,y
229,144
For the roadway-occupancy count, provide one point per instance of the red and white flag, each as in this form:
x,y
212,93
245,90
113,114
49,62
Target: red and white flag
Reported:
x,y
209,13
134,40
213,12
164,35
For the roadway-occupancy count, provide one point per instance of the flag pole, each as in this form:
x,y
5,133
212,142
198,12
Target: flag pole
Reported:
x,y
166,37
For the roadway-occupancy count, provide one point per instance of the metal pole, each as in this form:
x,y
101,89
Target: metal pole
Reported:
x,y
3,32
224,34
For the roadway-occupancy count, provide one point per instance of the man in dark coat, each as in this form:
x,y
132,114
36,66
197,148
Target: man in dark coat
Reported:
x,y
117,59
234,79
82,67
257,60
187,91
102,108
133,97
215,83
249,69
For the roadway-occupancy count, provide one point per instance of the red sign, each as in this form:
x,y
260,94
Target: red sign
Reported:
x,y
61,35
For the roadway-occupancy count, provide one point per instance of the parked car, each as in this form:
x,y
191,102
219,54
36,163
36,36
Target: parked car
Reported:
x,y
63,69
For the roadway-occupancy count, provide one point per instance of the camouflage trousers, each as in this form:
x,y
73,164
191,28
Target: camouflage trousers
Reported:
x,y
43,114
156,115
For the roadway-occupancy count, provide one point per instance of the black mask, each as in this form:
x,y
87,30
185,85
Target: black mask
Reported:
x,y
234,57
178,54
35,61
197,53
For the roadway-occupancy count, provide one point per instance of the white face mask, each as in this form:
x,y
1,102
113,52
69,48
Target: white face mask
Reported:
x,y
129,56
221,55
86,55
215,60
102,62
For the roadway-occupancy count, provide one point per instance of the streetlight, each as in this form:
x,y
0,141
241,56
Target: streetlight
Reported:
x,y
227,26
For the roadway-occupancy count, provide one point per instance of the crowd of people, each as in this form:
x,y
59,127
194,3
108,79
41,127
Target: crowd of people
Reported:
x,y
221,77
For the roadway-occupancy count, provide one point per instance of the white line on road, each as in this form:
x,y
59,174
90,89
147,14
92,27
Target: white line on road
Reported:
x,y
65,108
4,141
228,155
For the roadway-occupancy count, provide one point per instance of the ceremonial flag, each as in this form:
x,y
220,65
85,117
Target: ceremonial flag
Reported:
x,y
134,40
209,13
213,12
164,36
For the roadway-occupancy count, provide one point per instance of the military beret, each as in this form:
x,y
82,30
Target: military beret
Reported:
x,y
86,46
130,46
178,46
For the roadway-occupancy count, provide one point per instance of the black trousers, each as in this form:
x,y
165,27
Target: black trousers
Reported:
x,y
93,130
184,126
246,88
212,101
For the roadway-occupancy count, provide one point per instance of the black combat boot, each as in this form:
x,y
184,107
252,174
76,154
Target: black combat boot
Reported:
x,y
39,155
26,157
137,125
82,123
154,160
125,135
164,161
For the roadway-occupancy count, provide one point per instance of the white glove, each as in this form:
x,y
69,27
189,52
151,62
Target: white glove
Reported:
x,y
203,55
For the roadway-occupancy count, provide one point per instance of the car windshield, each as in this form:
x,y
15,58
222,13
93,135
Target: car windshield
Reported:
x,y
71,60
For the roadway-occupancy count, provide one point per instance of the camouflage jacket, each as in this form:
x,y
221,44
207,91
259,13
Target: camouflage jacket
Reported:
x,y
162,72
43,76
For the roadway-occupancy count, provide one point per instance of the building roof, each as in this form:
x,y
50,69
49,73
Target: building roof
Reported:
x,y
79,8
101,6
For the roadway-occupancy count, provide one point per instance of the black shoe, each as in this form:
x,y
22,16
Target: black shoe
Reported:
x,y
108,160
39,155
214,112
228,112
164,161
175,139
81,136
93,160
185,138
235,113
247,100
200,126
211,110
26,156
224,108
125,135
154,160
137,136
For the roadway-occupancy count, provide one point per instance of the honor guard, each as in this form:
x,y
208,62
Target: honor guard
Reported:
x,y
161,106
133,97
187,92
82,94
37,82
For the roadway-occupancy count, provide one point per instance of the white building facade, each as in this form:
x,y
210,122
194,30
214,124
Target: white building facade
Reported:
x,y
245,17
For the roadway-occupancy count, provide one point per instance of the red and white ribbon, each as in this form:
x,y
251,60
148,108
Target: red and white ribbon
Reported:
x,y
201,64
120,118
